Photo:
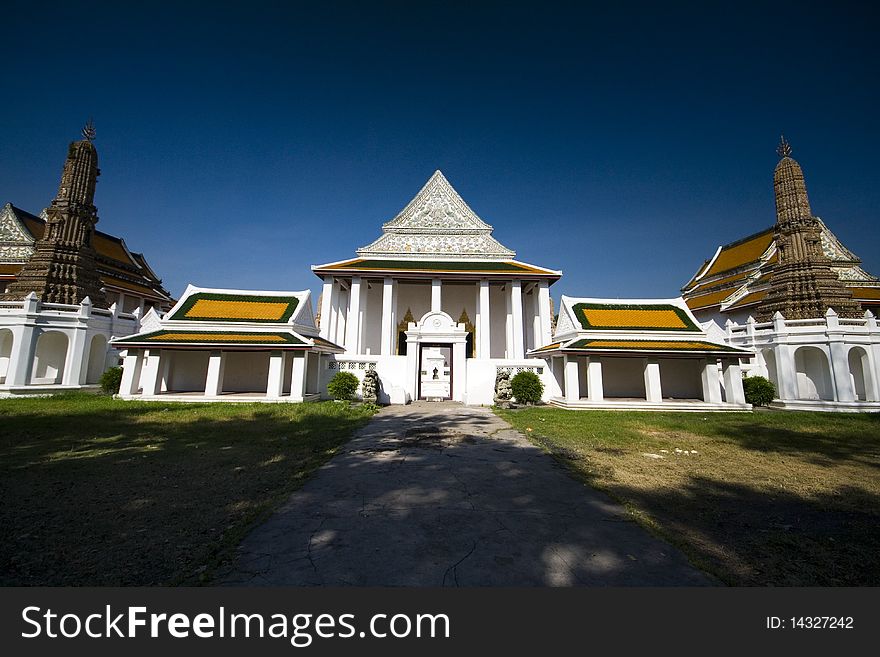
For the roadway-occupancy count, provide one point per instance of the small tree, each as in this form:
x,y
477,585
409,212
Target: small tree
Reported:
x,y
343,385
110,380
758,390
527,388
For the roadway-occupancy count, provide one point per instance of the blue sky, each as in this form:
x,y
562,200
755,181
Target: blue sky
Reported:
x,y
241,143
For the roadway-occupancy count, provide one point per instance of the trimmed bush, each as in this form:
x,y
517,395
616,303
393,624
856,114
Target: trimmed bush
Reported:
x,y
527,388
759,391
110,380
343,385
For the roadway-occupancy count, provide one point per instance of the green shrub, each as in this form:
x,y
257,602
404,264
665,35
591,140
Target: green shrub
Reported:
x,y
343,385
759,391
527,388
111,379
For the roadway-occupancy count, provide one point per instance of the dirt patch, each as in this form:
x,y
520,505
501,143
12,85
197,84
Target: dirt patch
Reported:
x,y
434,438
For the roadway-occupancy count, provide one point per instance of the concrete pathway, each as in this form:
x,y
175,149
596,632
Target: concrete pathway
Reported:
x,y
446,495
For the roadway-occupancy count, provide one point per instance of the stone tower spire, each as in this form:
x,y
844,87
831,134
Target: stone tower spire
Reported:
x,y
803,284
62,268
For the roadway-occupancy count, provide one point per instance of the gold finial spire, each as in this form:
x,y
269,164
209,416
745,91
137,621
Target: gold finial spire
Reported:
x,y
784,148
88,131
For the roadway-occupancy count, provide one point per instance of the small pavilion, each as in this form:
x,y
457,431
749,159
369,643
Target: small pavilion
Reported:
x,y
227,345
641,354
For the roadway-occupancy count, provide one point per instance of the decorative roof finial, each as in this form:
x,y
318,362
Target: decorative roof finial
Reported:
x,y
784,148
88,131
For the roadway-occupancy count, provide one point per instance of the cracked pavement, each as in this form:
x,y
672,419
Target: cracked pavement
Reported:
x,y
439,494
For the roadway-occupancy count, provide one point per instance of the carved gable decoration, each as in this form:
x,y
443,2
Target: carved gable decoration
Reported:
x,y
437,222
16,243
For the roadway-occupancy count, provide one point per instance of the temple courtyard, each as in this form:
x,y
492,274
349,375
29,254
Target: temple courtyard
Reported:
x,y
99,491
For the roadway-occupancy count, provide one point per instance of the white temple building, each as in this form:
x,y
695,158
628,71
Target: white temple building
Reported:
x,y
436,283
227,345
645,354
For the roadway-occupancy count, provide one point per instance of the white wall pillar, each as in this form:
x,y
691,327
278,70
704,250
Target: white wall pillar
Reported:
x,y
484,327
436,295
151,371
23,339
572,382
843,382
516,320
214,380
298,375
711,381
275,380
352,322
327,307
786,373
387,343
733,383
653,388
595,389
544,318
77,348
131,372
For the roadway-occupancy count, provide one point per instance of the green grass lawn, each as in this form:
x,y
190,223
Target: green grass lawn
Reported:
x,y
768,498
97,491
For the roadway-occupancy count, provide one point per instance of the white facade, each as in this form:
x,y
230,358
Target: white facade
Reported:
x,y
823,364
227,345
49,347
640,354
436,282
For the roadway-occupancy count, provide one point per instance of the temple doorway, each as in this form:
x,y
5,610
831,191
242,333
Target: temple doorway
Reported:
x,y
435,371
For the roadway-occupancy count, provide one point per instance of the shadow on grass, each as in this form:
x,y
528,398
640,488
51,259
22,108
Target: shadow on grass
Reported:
x,y
101,492
748,536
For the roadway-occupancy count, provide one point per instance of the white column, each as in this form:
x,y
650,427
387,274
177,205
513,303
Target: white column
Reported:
x,y
535,332
131,372
653,389
516,319
711,382
484,327
387,344
595,389
572,383
412,367
275,380
459,371
394,320
545,337
352,322
733,383
151,379
165,371
327,307
214,380
298,376
341,309
436,301
843,382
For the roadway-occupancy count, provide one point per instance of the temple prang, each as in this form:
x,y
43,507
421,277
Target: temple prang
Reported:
x,y
803,285
62,268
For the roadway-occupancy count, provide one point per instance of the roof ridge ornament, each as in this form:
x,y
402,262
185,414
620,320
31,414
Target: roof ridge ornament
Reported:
x,y
784,148
88,131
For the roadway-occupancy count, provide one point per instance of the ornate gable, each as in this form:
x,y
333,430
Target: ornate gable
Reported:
x,y
437,222
16,243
